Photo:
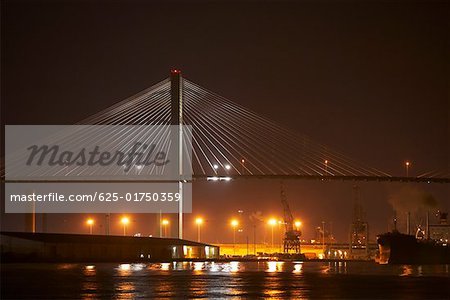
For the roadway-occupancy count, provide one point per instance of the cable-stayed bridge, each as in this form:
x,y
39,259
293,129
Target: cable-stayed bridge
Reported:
x,y
230,141
227,140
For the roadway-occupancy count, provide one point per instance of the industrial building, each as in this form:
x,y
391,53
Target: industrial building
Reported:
x,y
55,247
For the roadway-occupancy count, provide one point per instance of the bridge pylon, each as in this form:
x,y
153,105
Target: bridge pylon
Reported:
x,y
176,118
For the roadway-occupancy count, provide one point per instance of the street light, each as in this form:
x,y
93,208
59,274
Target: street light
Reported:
x,y
125,222
234,224
165,223
326,166
297,225
90,222
199,222
323,237
407,164
272,222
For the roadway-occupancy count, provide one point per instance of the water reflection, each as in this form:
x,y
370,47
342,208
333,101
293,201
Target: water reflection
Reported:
x,y
234,266
165,266
223,280
406,270
89,285
198,266
124,269
298,268
337,267
124,287
66,266
275,266
89,269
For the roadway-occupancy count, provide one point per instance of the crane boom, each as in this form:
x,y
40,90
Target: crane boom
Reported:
x,y
288,218
291,239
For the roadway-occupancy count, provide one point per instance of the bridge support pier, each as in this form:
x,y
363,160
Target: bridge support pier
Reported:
x,y
176,90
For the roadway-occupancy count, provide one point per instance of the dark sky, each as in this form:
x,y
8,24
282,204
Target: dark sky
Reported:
x,y
369,79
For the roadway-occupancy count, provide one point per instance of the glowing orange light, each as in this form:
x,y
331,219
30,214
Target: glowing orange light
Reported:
x,y
272,222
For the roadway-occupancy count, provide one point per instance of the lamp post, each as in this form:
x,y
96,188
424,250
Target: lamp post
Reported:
x,y
407,164
199,222
90,223
125,222
234,224
297,224
165,223
323,237
326,166
272,223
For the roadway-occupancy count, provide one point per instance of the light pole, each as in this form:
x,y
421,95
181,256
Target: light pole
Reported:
x,y
272,223
90,223
165,223
297,225
326,166
280,232
407,164
199,222
234,224
323,237
125,222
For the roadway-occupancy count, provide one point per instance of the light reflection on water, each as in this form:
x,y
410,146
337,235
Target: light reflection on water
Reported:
x,y
90,285
274,279
338,267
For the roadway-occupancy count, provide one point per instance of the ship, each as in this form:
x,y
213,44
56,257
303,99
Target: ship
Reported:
x,y
431,247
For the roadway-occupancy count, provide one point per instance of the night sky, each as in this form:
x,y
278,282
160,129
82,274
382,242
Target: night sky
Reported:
x,y
368,79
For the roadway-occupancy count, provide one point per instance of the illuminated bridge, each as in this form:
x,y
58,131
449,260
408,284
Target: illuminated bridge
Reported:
x,y
230,141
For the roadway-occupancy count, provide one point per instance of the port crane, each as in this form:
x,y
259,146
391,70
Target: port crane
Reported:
x,y
291,240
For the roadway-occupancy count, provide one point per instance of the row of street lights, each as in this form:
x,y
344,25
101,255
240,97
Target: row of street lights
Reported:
x,y
272,222
199,222
407,166
164,222
326,162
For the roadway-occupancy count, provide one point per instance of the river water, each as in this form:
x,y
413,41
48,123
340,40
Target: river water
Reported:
x,y
283,280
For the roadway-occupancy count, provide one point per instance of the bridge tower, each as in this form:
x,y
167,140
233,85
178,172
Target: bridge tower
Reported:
x,y
176,95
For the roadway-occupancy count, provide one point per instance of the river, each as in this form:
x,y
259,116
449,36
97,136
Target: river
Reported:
x,y
296,280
